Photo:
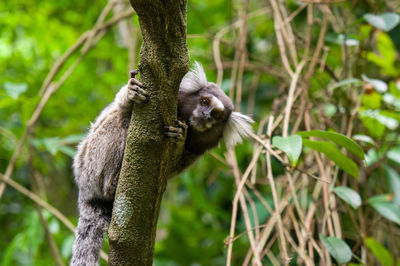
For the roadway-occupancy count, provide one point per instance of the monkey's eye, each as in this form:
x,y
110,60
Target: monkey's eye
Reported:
x,y
204,102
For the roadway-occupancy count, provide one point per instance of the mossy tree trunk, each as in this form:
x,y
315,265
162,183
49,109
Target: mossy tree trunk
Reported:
x,y
163,62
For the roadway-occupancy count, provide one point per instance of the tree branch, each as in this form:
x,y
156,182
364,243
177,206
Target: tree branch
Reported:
x,y
147,160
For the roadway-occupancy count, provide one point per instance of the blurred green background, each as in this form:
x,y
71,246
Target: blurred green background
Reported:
x,y
197,206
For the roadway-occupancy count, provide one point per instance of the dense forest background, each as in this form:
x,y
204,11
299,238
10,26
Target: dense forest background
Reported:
x,y
324,69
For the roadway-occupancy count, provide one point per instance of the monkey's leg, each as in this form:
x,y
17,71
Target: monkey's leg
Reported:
x,y
94,219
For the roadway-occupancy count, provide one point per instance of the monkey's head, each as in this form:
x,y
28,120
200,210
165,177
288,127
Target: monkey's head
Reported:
x,y
208,111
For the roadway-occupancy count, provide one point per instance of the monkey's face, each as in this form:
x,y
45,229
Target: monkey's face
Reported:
x,y
205,109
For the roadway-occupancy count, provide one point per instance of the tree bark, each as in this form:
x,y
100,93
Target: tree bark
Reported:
x,y
147,160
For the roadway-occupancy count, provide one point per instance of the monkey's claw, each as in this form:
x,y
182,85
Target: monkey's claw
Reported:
x,y
176,133
136,93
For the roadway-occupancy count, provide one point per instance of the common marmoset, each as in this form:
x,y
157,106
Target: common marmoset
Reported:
x,y
205,117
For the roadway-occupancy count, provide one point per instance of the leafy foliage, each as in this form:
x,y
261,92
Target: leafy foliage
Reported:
x,y
348,195
338,248
382,254
291,145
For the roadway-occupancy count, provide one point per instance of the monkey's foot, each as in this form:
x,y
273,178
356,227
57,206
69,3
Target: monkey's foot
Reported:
x,y
178,132
136,93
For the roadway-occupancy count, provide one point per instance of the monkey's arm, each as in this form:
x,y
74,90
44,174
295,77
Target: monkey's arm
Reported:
x,y
99,155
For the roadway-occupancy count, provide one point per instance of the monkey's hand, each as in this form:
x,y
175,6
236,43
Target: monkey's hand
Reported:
x,y
131,93
136,93
176,133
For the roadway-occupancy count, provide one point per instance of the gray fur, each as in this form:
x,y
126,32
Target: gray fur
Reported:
x,y
205,115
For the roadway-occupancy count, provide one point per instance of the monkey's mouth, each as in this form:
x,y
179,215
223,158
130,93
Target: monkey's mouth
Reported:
x,y
201,124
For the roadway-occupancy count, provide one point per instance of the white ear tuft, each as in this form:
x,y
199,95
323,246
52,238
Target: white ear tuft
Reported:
x,y
194,80
238,126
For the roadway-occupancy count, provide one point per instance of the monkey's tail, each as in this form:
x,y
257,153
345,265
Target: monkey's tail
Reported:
x,y
94,219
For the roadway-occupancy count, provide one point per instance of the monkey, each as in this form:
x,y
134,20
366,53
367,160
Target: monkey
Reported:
x,y
205,116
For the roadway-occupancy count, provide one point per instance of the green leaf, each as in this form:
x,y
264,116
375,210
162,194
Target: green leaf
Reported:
x,y
348,195
394,88
337,248
394,154
66,247
341,39
386,48
364,138
379,85
385,57
374,127
380,117
372,100
54,226
52,144
387,67
67,151
329,109
291,146
389,210
384,205
371,157
350,81
6,102
56,144
379,251
72,139
394,183
333,153
380,199
385,22
15,89
339,139
390,99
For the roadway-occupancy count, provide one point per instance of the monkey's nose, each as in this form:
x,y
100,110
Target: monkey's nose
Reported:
x,y
217,114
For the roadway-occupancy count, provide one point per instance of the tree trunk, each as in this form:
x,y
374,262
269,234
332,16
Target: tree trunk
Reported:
x,y
147,160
